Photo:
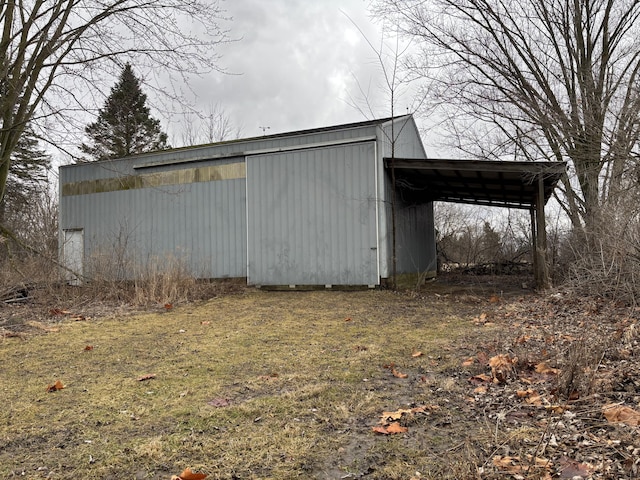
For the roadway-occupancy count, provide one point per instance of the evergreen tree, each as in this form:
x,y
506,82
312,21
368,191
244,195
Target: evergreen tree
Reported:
x,y
124,126
27,179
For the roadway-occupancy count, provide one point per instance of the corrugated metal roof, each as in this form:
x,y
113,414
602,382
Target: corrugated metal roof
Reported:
x,y
480,182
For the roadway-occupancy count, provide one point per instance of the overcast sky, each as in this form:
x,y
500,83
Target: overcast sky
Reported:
x,y
296,65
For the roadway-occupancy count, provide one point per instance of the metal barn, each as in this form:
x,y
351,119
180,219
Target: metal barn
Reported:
x,y
304,208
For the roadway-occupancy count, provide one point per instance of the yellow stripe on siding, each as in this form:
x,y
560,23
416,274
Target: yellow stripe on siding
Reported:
x,y
211,173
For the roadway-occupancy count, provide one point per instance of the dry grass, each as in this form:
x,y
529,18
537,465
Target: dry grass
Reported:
x,y
251,385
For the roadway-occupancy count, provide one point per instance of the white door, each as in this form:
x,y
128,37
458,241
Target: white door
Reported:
x,y
73,256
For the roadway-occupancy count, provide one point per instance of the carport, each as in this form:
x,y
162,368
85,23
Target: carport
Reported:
x,y
522,185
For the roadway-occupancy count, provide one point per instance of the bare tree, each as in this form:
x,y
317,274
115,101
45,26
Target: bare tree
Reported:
x,y
53,50
389,54
213,125
538,80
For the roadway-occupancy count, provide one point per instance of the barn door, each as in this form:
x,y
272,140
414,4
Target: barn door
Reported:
x,y
311,217
73,255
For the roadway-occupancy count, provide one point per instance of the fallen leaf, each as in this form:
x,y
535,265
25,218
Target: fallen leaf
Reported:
x,y
348,319
494,299
397,415
468,362
395,427
534,399
504,462
417,354
545,369
480,389
398,374
187,474
502,367
55,387
480,378
168,306
381,430
205,322
57,311
620,414
219,402
517,466
556,408
570,468
386,417
88,348
149,376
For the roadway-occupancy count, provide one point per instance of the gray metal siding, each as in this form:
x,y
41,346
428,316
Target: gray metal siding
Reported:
x,y
312,217
408,145
204,154
416,252
202,225
407,139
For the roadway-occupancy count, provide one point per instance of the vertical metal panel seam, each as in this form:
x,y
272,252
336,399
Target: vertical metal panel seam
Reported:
x,y
246,196
375,173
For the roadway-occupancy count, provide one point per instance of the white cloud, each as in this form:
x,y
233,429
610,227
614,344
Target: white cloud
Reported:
x,y
296,62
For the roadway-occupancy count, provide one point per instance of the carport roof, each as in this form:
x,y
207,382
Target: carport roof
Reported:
x,y
480,182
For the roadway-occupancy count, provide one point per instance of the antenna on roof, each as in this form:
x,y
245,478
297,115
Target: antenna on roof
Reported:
x,y
264,129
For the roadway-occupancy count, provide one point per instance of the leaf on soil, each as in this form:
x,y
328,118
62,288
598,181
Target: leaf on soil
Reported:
x,y
481,378
386,417
55,387
148,376
390,429
417,354
556,409
481,319
58,311
502,367
494,299
187,474
517,466
380,429
545,369
88,348
219,402
398,374
348,319
570,468
620,414
468,362
205,322
530,396
481,389
168,306
395,427
397,415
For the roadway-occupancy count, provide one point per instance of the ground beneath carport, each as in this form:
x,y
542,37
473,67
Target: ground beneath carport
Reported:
x,y
462,378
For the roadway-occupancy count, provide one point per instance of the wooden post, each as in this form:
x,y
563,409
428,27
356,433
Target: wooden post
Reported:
x,y
534,246
542,278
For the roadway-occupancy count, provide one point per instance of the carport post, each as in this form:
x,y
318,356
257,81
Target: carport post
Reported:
x,y
541,268
534,244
